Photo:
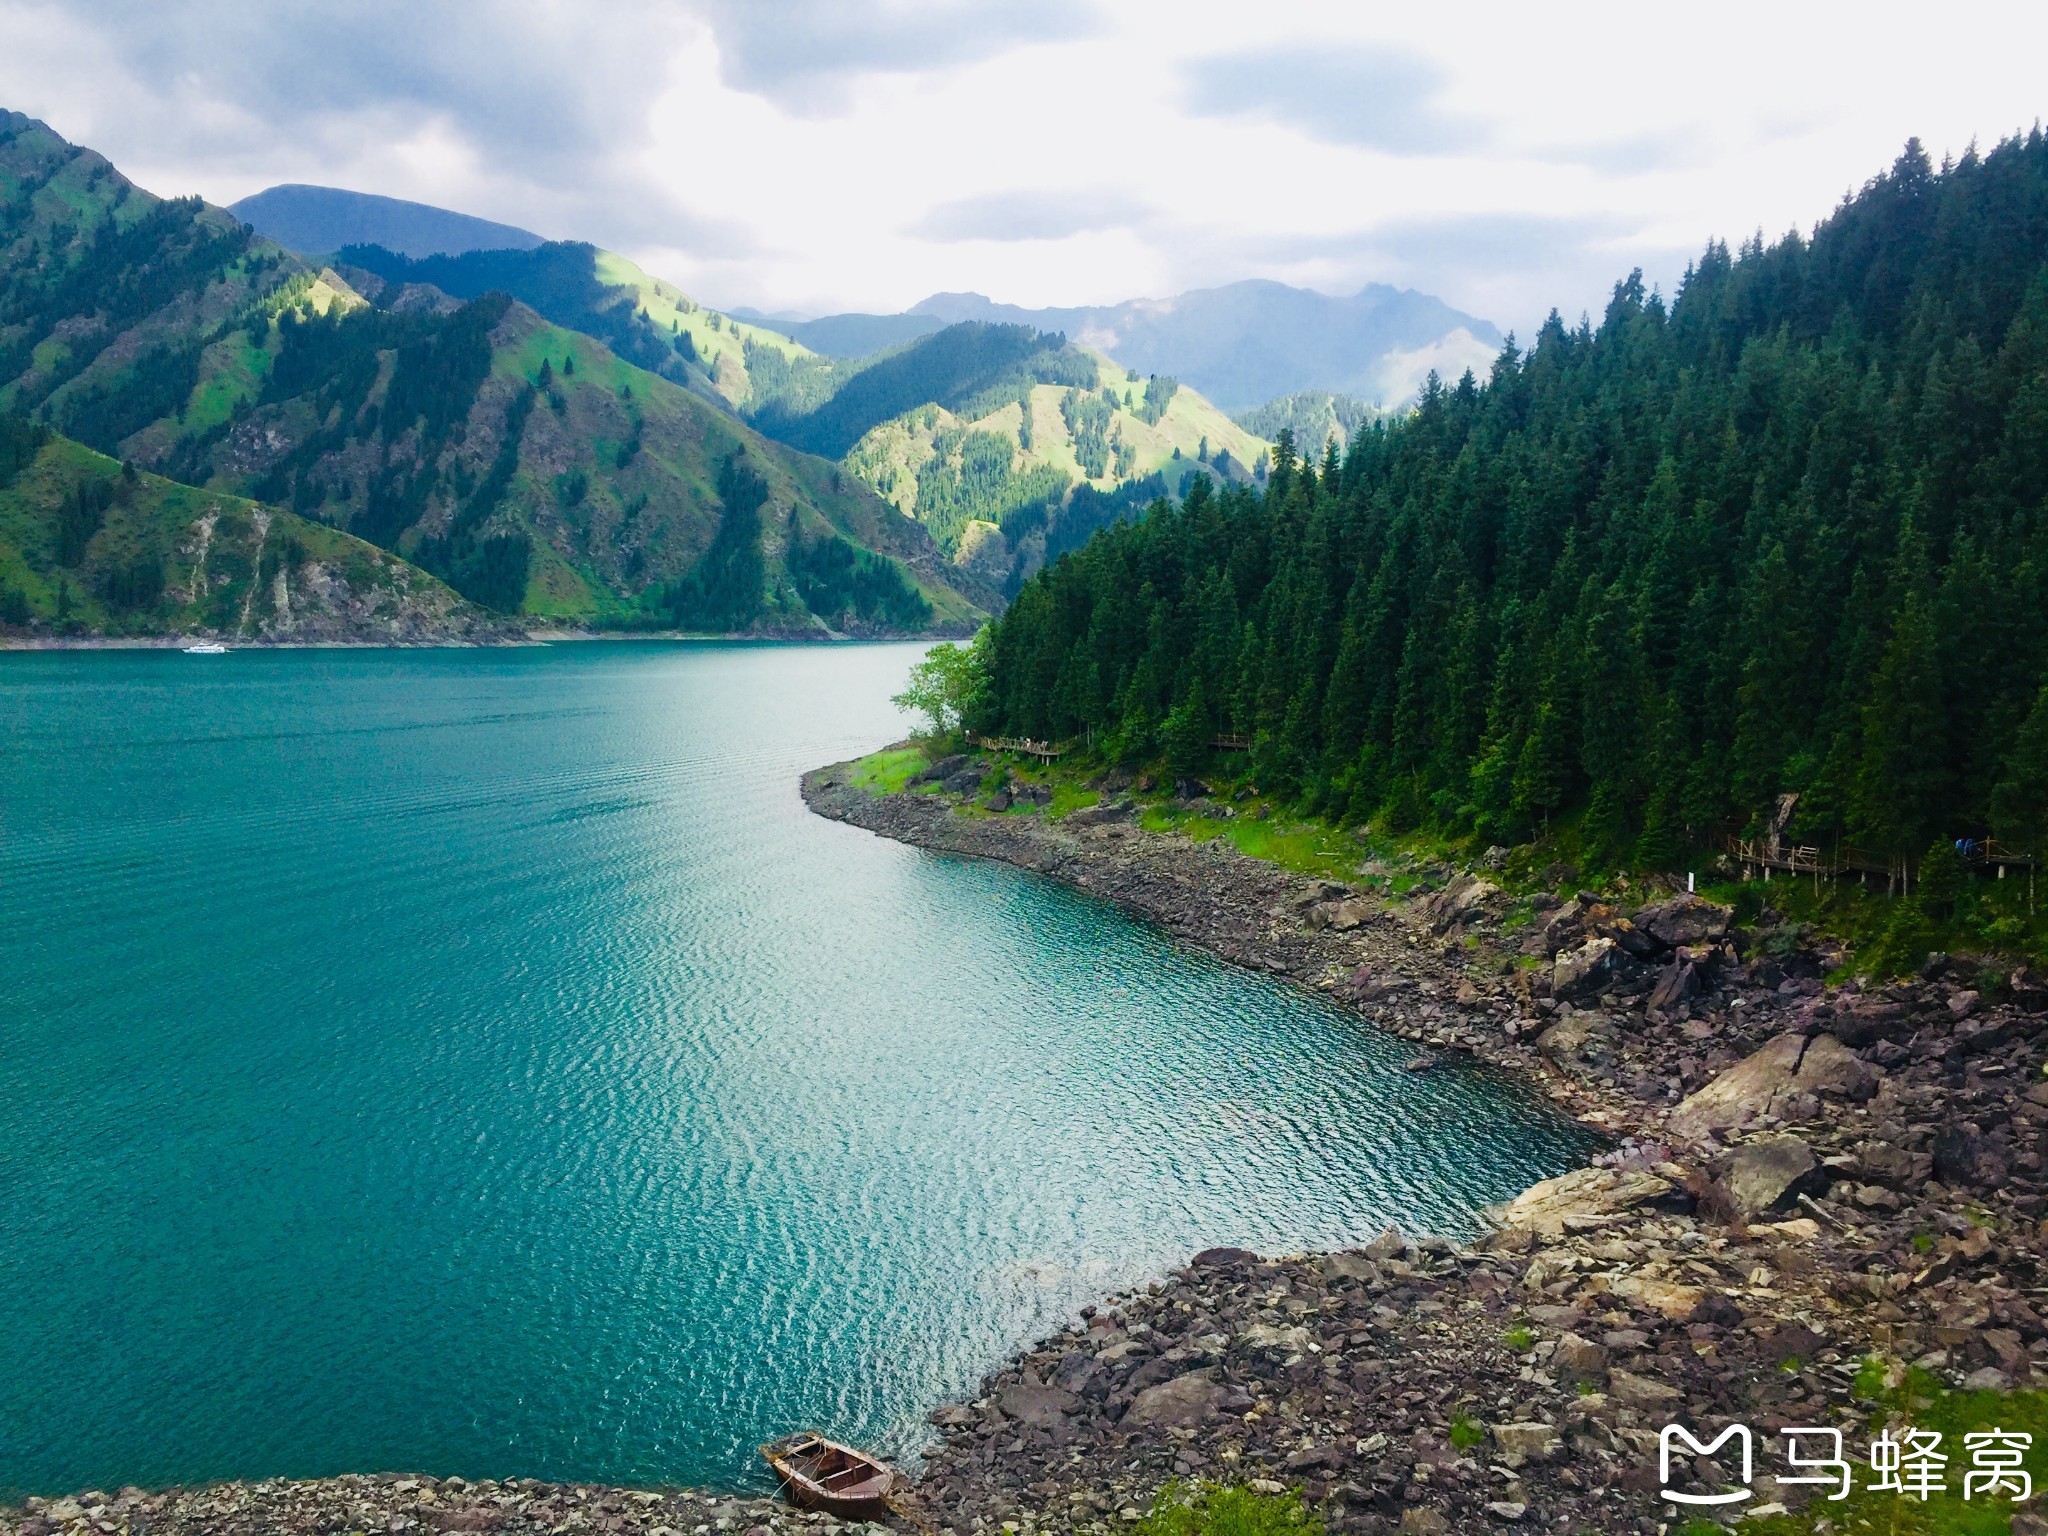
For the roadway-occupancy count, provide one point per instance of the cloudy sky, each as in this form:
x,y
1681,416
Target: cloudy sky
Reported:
x,y
816,155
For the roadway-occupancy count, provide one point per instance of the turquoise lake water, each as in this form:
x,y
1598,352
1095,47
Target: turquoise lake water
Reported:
x,y
480,1062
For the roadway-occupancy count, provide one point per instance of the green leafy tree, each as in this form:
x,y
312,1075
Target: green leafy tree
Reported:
x,y
944,687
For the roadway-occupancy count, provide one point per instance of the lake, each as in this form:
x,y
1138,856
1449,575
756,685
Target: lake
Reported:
x,y
480,1062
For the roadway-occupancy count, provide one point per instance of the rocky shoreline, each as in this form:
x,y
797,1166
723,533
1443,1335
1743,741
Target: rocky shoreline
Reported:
x,y
1803,1178
1798,1178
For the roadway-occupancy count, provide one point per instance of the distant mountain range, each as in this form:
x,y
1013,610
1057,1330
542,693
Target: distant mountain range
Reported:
x,y
1241,345
321,220
1004,434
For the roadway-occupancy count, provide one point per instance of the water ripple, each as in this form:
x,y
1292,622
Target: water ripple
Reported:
x,y
481,1063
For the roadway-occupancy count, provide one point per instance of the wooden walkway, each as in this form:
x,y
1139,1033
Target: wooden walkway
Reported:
x,y
1760,856
1044,751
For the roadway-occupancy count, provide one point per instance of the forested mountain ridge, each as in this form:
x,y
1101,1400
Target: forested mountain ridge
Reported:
x,y
90,547
1312,416
1787,535
525,464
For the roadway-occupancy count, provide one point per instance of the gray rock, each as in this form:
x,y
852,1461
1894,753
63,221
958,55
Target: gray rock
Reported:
x,y
1465,897
1343,916
1581,1043
1641,1391
1770,1173
1530,1441
1780,1079
1579,1357
1685,920
1564,927
1184,1400
1036,1405
1104,814
943,769
1350,1266
1677,983
1584,1200
1587,971
1390,1244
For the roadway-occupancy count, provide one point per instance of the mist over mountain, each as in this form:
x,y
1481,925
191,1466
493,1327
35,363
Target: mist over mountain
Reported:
x,y
321,220
1240,345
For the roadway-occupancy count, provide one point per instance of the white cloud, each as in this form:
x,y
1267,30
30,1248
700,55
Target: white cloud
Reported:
x,y
812,154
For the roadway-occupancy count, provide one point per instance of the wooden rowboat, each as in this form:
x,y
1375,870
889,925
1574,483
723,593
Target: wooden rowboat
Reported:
x,y
823,1474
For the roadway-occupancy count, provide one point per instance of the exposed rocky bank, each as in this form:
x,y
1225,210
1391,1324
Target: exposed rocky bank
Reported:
x,y
1803,1175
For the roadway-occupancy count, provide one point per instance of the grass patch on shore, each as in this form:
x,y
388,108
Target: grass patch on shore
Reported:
x,y
889,772
1306,847
1218,1509
1068,797
1924,1404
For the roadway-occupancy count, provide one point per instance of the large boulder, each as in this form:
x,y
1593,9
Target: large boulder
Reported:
x,y
1685,920
1530,1441
1583,1044
942,770
1560,929
1041,1407
1352,912
1594,967
1584,1200
1770,1173
1187,1399
1786,1078
1464,898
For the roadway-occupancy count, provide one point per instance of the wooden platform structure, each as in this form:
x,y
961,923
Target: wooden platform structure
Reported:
x,y
1759,856
1044,751
1231,743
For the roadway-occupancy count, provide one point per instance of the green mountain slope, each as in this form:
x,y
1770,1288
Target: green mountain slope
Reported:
x,y
88,548
651,324
969,369
526,464
996,480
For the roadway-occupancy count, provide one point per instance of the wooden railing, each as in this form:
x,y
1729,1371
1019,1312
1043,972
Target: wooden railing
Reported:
x,y
1044,751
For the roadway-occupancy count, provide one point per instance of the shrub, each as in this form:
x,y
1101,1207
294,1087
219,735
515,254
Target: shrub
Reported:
x,y
1214,1509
